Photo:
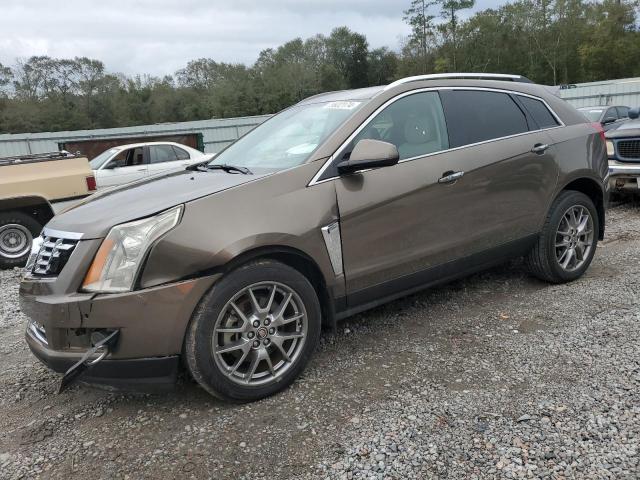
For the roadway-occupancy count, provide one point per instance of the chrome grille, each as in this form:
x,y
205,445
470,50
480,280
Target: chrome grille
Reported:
x,y
53,256
629,149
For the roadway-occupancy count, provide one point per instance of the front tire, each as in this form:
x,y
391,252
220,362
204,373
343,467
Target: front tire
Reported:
x,y
568,241
17,231
253,332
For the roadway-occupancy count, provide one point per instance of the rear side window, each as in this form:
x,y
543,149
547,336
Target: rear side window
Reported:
x,y
161,154
539,111
476,116
180,153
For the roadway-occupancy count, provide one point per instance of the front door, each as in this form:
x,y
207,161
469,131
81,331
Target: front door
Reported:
x,y
126,166
396,222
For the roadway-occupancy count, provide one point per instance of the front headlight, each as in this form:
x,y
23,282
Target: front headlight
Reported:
x,y
611,151
118,259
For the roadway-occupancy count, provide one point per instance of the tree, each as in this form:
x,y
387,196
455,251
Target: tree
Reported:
x,y
449,12
422,28
6,76
348,51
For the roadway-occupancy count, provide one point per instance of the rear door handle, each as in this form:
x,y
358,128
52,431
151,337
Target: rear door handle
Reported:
x,y
539,148
450,177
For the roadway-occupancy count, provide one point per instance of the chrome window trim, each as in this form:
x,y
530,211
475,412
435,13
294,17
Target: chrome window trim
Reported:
x,y
315,180
50,232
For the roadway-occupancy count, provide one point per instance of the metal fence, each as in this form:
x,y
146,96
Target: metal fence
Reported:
x,y
625,91
216,134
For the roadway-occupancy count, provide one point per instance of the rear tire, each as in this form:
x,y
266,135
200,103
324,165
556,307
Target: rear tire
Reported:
x,y
17,231
253,332
568,240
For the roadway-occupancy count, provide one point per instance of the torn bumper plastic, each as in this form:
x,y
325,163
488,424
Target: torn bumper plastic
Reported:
x,y
95,367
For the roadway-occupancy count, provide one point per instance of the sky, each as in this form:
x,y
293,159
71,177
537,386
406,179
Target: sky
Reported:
x,y
160,36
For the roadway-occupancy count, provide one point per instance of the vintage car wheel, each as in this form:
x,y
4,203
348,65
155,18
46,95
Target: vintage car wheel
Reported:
x,y
568,241
253,332
16,236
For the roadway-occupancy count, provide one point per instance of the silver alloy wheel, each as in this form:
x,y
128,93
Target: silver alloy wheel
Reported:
x,y
574,238
260,333
15,240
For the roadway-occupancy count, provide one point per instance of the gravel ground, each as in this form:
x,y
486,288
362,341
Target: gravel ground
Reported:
x,y
496,375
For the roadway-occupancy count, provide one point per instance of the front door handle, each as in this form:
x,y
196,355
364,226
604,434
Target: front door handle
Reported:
x,y
539,148
450,176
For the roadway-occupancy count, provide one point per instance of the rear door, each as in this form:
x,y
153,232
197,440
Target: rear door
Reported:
x,y
504,160
126,166
164,158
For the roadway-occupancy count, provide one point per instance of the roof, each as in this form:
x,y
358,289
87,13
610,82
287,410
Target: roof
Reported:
x,y
342,95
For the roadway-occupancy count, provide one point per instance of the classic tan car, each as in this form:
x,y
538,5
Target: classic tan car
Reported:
x,y
32,189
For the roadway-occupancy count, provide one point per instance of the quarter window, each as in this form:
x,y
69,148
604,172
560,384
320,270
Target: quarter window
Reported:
x,y
414,124
161,154
477,116
539,112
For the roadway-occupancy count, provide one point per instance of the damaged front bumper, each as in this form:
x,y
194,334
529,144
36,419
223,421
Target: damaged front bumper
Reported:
x,y
624,176
128,341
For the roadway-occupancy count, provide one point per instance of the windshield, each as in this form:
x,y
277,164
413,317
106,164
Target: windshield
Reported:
x,y
592,114
289,138
97,162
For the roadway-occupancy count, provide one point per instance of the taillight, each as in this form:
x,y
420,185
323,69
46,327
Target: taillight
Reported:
x,y
599,129
91,183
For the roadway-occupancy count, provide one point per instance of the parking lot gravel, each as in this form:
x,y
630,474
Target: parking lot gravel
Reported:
x,y
496,375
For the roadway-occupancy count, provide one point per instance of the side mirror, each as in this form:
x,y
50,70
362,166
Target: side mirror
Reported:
x,y
634,113
370,154
608,120
110,166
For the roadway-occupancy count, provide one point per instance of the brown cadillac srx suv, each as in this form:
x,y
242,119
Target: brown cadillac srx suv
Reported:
x,y
342,202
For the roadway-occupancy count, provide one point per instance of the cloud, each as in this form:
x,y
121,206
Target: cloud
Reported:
x,y
161,36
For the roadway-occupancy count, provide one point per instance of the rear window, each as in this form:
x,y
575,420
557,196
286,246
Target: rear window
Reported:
x,y
476,116
593,114
539,111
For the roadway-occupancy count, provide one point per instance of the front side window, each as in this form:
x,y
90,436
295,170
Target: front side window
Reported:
x,y
127,158
98,161
289,138
161,154
476,116
612,113
414,124
623,112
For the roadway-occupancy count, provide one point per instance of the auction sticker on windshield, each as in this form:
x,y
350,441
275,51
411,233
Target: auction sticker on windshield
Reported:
x,y
342,105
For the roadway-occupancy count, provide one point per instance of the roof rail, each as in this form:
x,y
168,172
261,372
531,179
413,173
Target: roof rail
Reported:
x,y
478,76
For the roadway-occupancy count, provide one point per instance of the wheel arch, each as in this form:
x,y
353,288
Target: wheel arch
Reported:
x,y
592,189
299,261
34,206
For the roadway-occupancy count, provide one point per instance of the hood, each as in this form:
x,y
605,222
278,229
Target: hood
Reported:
x,y
95,215
630,128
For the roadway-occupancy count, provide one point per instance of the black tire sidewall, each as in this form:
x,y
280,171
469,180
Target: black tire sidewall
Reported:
x,y
561,206
198,345
21,219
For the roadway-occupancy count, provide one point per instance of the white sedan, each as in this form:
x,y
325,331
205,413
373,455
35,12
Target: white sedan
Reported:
x,y
127,163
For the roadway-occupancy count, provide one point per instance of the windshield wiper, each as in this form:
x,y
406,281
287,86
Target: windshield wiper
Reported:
x,y
229,168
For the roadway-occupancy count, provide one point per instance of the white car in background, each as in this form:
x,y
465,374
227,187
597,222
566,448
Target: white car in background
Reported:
x,y
127,163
